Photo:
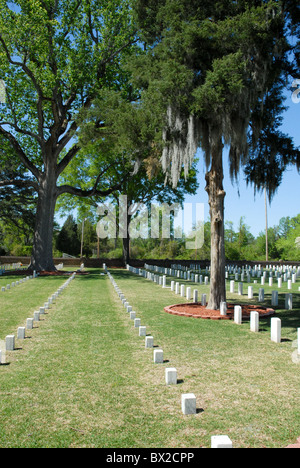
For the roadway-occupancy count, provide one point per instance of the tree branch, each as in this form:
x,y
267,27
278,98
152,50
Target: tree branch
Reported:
x,y
19,183
22,156
87,193
20,130
23,66
67,159
94,191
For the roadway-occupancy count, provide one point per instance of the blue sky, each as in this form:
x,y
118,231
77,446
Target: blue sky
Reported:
x,y
241,201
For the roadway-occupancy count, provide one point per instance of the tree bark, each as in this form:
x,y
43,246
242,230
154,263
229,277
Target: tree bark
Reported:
x,y
42,254
126,251
126,241
216,195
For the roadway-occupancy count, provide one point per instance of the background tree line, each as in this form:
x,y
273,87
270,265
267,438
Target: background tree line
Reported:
x,y
240,243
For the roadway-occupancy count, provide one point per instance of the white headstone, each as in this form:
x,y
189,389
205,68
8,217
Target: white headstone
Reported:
x,y
195,295
254,321
276,330
221,442
261,295
289,301
21,333
137,323
29,323
158,356
223,308
10,342
271,281
149,342
36,316
238,315
274,298
171,376
188,403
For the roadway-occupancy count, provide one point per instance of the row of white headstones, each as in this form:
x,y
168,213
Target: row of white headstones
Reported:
x,y
17,283
12,267
254,316
188,400
187,272
290,275
9,343
27,278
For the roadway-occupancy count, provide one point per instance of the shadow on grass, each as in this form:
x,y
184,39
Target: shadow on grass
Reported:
x,y
99,274
289,318
91,275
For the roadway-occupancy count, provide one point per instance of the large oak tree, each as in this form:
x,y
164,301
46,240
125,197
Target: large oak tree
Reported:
x,y
55,55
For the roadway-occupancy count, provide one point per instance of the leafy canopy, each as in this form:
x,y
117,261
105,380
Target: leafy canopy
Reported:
x,y
54,57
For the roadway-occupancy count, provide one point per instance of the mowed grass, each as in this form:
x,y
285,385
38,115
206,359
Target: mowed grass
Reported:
x,y
246,386
18,303
83,378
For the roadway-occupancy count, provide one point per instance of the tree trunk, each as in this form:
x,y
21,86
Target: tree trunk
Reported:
x,y
126,251
126,242
42,254
216,195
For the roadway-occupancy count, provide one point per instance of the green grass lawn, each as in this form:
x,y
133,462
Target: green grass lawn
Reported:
x,y
83,378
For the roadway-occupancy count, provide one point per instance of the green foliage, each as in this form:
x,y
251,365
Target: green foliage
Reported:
x,y
55,55
129,133
287,246
67,240
17,202
53,51
226,63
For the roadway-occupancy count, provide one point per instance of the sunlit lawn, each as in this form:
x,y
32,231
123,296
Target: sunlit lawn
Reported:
x,y
83,378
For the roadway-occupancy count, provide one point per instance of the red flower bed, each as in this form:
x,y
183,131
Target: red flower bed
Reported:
x,y
196,310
